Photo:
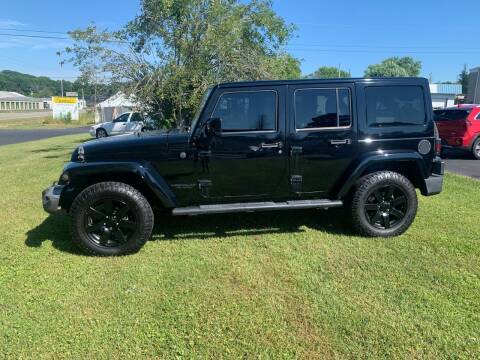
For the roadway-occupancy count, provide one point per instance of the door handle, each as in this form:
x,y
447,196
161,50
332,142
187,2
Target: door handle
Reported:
x,y
277,145
336,142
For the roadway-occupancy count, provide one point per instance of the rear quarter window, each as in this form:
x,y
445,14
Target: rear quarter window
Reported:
x,y
389,106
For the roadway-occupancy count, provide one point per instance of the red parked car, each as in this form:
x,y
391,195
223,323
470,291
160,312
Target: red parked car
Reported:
x,y
459,128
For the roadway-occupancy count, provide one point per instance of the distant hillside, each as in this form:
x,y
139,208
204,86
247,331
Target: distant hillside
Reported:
x,y
37,86
41,86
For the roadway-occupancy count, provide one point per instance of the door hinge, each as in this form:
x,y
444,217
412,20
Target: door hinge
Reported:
x,y
204,186
296,183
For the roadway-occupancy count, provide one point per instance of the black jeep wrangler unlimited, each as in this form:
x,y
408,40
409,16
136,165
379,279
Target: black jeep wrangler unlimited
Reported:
x,y
253,146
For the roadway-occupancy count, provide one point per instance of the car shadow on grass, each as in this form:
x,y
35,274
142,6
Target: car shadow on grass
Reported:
x,y
55,229
50,149
171,228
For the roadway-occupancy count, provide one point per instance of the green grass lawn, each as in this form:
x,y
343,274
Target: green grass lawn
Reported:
x,y
46,122
266,285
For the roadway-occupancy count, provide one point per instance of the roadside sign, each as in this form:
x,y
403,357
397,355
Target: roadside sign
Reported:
x,y
65,108
71,94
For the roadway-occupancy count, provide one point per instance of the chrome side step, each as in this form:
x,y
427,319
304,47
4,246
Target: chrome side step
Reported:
x,y
256,206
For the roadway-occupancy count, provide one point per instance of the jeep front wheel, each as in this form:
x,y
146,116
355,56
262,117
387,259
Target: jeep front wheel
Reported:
x,y
111,219
384,204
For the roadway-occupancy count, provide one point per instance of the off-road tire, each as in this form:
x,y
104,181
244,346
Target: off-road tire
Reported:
x,y
136,203
476,149
365,189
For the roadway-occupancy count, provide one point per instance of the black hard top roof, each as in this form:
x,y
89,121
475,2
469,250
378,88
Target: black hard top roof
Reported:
x,y
414,80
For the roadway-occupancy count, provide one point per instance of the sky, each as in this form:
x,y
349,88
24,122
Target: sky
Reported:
x,y
351,34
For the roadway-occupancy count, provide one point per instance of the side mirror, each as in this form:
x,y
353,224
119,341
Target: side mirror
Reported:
x,y
206,131
214,127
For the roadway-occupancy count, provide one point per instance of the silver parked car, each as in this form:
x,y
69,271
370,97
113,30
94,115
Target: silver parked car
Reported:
x,y
127,123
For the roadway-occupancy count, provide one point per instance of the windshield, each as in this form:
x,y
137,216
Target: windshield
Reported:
x,y
200,108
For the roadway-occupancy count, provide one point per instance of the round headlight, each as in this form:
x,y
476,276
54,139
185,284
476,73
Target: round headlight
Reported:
x,y
65,177
81,153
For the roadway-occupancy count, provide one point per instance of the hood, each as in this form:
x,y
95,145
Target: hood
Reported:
x,y
144,146
100,124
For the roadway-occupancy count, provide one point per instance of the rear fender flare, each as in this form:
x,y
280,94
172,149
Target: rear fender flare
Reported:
x,y
376,159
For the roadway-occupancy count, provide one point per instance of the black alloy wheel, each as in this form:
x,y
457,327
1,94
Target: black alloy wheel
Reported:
x,y
111,219
110,223
386,206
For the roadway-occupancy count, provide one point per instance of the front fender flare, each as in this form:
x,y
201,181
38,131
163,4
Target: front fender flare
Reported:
x,y
81,172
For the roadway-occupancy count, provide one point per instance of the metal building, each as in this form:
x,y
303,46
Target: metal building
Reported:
x,y
473,96
12,101
444,95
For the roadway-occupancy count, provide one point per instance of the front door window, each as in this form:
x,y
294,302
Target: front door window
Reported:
x,y
120,123
247,111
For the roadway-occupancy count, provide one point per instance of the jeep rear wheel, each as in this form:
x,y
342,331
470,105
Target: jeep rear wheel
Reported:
x,y
111,219
384,204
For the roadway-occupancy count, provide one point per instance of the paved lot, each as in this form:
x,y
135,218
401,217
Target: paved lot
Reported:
x,y
24,115
18,136
469,168
462,163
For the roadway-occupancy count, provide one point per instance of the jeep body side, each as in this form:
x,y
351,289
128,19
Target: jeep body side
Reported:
x,y
266,145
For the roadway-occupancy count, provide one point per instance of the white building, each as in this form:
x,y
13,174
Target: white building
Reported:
x,y
444,95
114,106
12,101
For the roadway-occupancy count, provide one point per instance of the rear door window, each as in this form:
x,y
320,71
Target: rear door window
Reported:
x,y
322,108
395,106
136,117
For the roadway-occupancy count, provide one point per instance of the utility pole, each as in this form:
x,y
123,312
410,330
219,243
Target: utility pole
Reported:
x,y
62,62
95,97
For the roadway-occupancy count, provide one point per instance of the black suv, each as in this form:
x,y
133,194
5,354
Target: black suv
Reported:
x,y
254,146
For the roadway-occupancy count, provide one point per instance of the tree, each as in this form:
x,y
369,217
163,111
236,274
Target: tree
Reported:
x,y
88,54
174,50
329,72
395,67
37,86
463,79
